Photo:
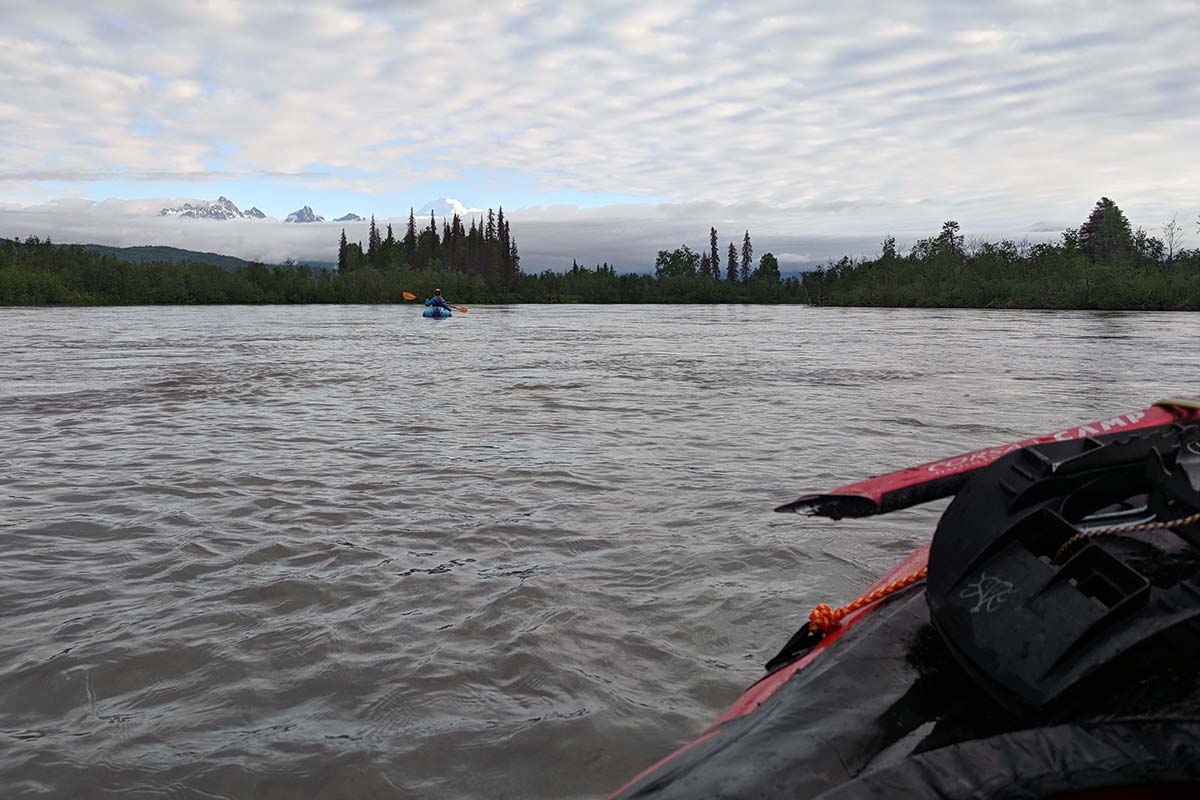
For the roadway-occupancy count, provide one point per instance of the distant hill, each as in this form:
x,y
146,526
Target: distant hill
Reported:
x,y
177,255
161,253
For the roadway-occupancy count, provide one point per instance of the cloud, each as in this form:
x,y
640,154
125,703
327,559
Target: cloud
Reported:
x,y
1002,111
627,237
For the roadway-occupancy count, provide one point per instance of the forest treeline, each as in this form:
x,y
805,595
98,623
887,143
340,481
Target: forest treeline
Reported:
x,y
1102,264
478,263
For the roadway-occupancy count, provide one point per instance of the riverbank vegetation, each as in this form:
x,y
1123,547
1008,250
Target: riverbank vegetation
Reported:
x,y
470,264
1103,264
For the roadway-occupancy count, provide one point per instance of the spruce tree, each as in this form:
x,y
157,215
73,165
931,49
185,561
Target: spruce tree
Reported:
x,y
714,255
1106,236
705,265
374,243
732,273
410,239
747,255
472,249
341,268
450,241
514,261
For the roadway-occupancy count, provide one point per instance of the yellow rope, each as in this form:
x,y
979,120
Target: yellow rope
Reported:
x,y
1144,526
825,619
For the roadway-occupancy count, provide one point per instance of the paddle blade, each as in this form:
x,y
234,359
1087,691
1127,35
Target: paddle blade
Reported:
x,y
462,309
408,296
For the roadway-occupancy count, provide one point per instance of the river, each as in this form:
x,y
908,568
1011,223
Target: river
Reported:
x,y
344,551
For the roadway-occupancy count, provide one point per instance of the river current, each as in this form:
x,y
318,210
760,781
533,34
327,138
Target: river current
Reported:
x,y
344,551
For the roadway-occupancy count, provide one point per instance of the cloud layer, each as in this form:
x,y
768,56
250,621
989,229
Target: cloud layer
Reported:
x,y
854,121
627,237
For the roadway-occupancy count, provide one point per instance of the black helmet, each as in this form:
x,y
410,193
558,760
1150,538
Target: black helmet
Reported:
x,y
437,291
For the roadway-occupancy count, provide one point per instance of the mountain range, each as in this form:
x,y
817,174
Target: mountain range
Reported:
x,y
225,209
221,208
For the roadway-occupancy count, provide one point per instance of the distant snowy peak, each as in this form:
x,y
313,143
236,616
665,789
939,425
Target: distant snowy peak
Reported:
x,y
254,213
349,218
446,207
223,208
305,214
1041,226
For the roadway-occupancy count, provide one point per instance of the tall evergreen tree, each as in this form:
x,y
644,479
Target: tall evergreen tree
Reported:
x,y
490,233
714,255
747,256
504,245
1106,236
705,265
374,242
514,261
448,252
472,249
732,270
341,268
410,239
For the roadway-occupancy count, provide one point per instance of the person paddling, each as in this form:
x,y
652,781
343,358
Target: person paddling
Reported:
x,y
437,301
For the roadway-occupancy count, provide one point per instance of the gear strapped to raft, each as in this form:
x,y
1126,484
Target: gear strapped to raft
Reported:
x,y
1044,642
1043,487
1029,600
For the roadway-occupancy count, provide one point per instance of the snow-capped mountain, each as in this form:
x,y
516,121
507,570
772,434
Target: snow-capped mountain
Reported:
x,y
349,218
223,208
1041,226
305,214
255,213
445,207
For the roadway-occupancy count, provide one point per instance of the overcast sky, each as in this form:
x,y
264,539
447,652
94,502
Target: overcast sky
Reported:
x,y
607,130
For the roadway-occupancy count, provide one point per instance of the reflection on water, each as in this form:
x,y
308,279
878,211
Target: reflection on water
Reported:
x,y
348,552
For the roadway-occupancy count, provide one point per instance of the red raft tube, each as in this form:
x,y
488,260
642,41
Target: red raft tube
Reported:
x,y
1043,645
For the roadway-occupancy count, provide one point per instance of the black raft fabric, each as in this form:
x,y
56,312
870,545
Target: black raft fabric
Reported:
x,y
887,713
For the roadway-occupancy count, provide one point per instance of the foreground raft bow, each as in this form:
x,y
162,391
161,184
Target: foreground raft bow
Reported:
x,y
1045,644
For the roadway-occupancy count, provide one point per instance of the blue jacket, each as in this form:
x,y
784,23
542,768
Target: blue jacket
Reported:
x,y
437,301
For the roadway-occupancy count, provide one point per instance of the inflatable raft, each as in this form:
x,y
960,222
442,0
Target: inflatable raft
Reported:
x,y
1044,644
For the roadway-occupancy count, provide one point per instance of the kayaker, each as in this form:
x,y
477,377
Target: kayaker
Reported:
x,y
437,301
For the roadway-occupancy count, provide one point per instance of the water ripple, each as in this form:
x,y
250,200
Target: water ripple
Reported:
x,y
341,552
